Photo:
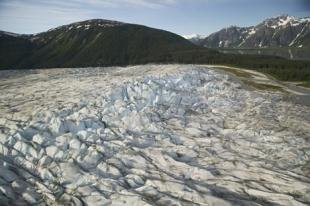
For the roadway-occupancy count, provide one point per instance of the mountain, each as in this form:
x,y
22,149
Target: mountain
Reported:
x,y
89,43
281,31
97,43
194,38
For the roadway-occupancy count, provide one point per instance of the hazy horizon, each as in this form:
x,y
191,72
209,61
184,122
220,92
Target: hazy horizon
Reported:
x,y
183,17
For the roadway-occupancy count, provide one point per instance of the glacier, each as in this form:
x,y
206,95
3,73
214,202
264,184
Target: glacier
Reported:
x,y
149,135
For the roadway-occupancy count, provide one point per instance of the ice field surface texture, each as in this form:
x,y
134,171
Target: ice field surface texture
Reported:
x,y
149,135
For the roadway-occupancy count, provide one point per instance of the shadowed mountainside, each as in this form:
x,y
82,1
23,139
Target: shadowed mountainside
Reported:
x,y
96,43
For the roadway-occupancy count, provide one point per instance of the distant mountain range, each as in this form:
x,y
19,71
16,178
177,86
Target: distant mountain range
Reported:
x,y
195,38
281,31
98,43
89,43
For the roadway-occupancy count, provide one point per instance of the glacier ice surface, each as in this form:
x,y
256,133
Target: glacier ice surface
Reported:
x,y
149,135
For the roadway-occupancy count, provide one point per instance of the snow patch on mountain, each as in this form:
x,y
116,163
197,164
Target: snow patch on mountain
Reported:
x,y
278,31
252,31
9,34
194,36
97,23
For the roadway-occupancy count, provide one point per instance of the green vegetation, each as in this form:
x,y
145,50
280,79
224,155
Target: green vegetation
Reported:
x,y
261,86
305,84
286,52
246,79
97,46
236,72
280,68
130,44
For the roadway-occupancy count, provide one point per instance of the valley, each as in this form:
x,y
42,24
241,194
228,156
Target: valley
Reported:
x,y
288,53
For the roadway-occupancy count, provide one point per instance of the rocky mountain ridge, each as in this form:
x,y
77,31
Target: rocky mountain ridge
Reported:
x,y
281,31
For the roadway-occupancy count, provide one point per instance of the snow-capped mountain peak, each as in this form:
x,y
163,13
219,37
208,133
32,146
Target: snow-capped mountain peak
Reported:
x,y
283,21
194,36
280,31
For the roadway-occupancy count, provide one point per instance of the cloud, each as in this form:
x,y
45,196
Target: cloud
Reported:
x,y
98,3
148,3
38,15
32,17
141,3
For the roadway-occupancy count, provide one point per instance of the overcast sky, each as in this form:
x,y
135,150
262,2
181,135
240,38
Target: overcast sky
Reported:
x,y
179,16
